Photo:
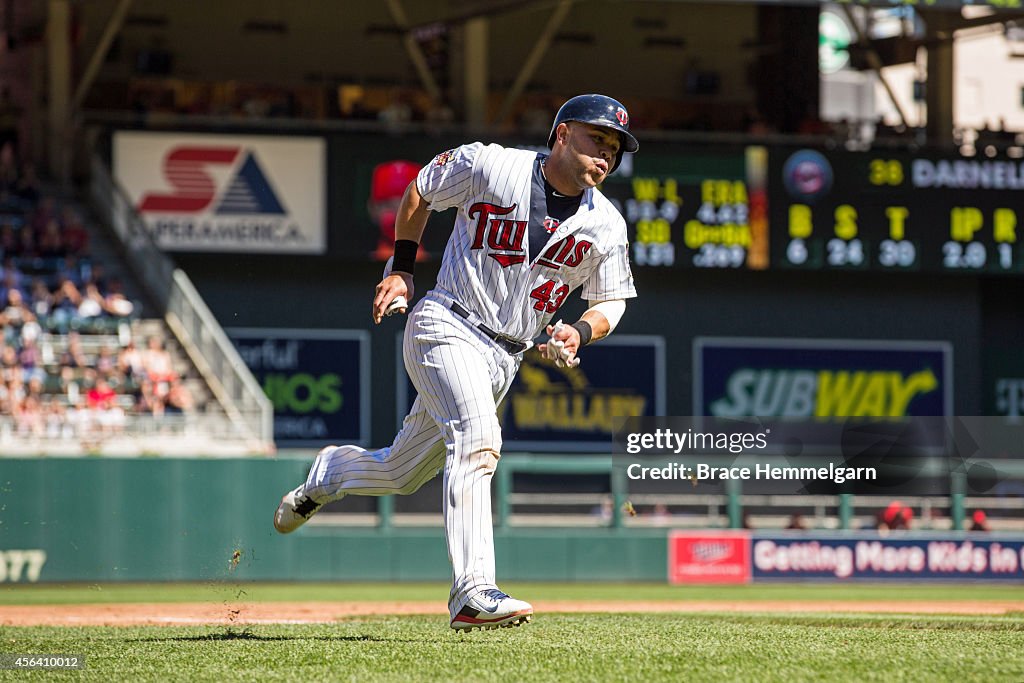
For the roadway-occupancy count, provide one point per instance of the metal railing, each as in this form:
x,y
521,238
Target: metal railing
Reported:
x,y
188,316
115,432
841,512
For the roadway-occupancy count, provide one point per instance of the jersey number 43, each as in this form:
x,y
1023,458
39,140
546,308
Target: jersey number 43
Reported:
x,y
548,298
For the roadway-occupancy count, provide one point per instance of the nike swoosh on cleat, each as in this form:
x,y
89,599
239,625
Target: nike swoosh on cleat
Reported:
x,y
492,610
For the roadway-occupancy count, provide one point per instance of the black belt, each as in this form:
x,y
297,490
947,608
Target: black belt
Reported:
x,y
512,346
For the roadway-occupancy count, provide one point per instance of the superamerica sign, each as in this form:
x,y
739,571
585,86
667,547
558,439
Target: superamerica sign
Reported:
x,y
226,193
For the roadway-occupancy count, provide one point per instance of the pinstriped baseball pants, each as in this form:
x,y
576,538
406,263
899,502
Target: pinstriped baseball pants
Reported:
x,y
460,376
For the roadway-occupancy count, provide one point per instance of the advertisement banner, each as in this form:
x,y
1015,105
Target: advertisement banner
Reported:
x,y
887,558
318,381
709,557
226,193
821,378
562,409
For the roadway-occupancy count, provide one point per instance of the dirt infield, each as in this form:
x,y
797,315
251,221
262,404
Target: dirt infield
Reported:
x,y
228,614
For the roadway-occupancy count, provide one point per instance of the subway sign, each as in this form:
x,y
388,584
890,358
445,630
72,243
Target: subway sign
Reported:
x,y
816,379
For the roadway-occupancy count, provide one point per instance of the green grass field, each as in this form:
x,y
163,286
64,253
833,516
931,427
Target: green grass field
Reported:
x,y
39,594
555,647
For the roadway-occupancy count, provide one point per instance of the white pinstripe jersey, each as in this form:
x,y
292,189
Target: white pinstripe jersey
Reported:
x,y
486,265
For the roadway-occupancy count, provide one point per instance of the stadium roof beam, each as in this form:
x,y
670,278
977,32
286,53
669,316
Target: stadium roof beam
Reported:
x,y
58,61
475,70
875,61
419,61
533,59
939,100
110,32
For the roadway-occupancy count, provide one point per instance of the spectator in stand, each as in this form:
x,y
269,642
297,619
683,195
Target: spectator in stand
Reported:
x,y
147,402
8,239
797,523
15,314
31,360
79,416
51,242
64,307
91,305
179,398
27,242
979,521
896,516
106,362
398,112
76,237
11,277
40,299
159,367
8,167
45,211
101,395
10,366
29,418
130,362
34,387
95,273
58,424
16,389
115,303
72,356
110,417
28,188
71,270
660,514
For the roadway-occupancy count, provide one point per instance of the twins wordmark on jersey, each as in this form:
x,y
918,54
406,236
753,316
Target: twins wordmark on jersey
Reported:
x,y
504,239
487,265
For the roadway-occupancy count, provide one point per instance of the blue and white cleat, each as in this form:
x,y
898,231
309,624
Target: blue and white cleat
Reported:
x,y
491,609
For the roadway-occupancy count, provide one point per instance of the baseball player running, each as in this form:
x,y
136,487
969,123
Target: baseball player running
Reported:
x,y
530,229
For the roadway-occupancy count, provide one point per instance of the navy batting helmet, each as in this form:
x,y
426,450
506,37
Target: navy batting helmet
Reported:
x,y
597,110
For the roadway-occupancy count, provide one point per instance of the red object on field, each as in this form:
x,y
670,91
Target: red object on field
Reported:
x,y
391,178
709,557
386,189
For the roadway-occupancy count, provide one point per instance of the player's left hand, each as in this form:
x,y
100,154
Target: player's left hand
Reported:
x,y
563,345
392,295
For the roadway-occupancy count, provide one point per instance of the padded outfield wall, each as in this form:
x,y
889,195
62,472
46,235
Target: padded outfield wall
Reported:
x,y
140,519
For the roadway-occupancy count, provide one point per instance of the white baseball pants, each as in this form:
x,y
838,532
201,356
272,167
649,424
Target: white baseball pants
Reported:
x,y
460,376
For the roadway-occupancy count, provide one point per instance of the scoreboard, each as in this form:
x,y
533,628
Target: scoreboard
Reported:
x,y
777,207
895,211
704,209
730,205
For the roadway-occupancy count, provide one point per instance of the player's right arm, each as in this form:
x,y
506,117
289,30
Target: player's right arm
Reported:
x,y
443,183
410,222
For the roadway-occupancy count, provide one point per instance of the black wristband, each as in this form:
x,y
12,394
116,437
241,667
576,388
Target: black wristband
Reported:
x,y
405,256
585,330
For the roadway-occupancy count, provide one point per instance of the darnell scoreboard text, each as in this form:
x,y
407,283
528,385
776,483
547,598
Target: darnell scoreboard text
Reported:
x,y
799,208
895,211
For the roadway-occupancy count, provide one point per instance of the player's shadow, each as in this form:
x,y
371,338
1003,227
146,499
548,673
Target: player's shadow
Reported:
x,y
249,635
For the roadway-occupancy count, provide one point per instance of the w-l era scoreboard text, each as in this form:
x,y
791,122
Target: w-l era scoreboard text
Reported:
x,y
800,208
